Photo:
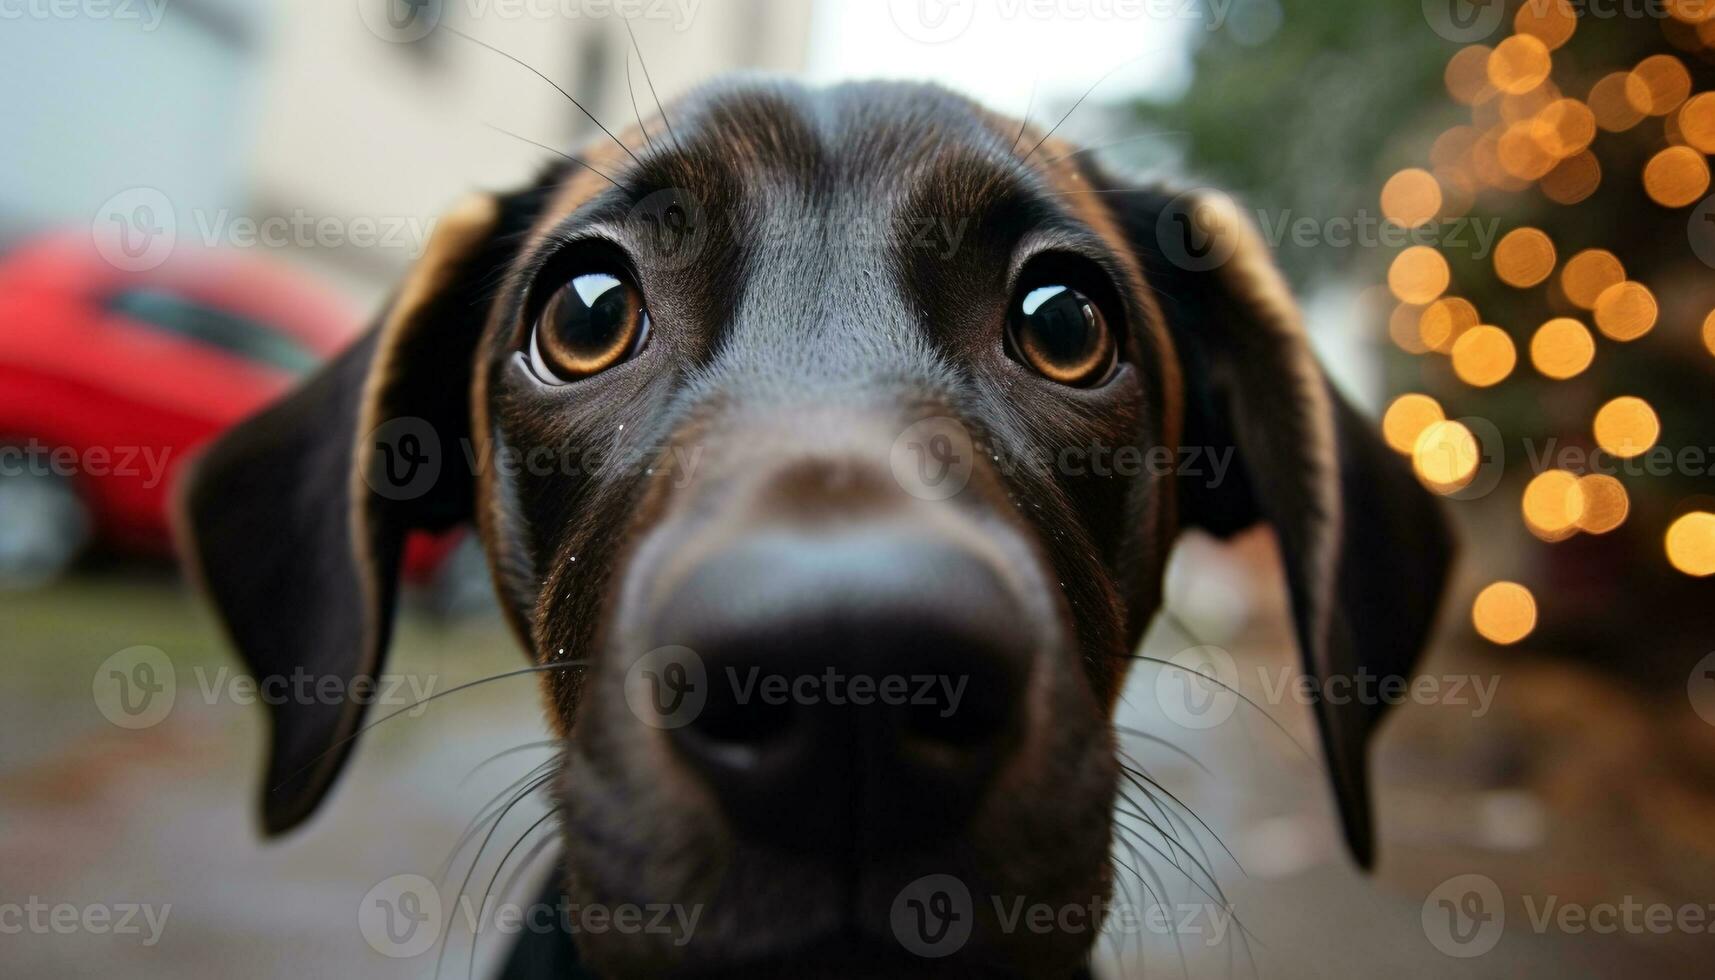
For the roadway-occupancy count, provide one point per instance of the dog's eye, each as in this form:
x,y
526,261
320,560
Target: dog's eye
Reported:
x,y
1060,333
590,324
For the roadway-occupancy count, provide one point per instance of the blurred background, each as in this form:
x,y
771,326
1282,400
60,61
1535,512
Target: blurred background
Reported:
x,y
1498,216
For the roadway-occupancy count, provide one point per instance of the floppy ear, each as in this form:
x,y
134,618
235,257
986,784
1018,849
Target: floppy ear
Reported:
x,y
296,520
1366,547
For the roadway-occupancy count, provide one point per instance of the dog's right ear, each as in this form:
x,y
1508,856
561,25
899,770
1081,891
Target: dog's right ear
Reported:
x,y
296,520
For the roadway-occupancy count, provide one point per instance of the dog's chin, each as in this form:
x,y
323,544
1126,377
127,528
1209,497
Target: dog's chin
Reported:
x,y
728,907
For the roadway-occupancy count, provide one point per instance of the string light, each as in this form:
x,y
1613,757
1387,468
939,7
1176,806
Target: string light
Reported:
x,y
1562,348
1484,356
1691,544
1626,426
1504,613
1626,311
1407,417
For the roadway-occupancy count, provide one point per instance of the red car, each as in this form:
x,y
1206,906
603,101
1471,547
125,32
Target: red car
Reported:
x,y
110,380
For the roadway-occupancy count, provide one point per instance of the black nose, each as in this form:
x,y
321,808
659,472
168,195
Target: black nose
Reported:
x,y
863,685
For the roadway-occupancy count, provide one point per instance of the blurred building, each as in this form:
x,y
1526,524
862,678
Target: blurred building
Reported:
x,y
309,114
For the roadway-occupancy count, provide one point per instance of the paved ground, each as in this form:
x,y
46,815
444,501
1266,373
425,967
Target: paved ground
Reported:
x,y
1566,789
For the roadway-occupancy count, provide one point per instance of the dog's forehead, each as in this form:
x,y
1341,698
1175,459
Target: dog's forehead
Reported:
x,y
847,165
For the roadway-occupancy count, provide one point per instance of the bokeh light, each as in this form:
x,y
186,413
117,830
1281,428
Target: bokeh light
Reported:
x,y
1553,504
1411,198
1484,356
1691,544
1519,64
1564,127
1445,321
1562,348
1697,120
1709,332
1407,417
1445,456
1626,426
1606,503
1614,112
1418,275
1626,311
1504,613
1550,21
1676,177
1403,328
1658,85
1588,274
1467,75
1524,257
1573,179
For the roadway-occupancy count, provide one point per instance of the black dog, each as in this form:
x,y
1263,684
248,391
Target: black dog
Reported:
x,y
832,348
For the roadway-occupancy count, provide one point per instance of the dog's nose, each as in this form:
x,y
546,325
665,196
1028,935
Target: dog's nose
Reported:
x,y
863,685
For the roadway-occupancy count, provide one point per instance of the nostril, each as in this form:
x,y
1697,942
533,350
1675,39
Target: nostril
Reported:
x,y
757,723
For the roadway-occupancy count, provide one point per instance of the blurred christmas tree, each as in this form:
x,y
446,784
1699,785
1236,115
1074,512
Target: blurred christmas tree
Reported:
x,y
1552,341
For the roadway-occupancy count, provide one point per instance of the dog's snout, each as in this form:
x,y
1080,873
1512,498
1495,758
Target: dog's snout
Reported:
x,y
864,683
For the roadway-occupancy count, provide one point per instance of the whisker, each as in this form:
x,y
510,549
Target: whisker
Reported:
x,y
558,153
1138,773
530,857
643,64
1024,121
1240,694
629,90
526,65
536,777
532,669
1098,147
475,939
1087,93
1164,743
440,957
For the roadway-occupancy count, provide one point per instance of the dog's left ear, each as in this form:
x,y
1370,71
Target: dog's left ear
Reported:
x,y
296,520
1366,547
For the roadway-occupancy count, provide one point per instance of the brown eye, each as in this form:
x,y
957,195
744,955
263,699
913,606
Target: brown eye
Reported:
x,y
590,324
1061,334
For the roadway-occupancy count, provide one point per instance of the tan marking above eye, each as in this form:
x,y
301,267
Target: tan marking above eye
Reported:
x,y
593,322
1061,333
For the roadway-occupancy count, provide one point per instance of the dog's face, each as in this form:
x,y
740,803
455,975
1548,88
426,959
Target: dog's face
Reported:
x,y
827,441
